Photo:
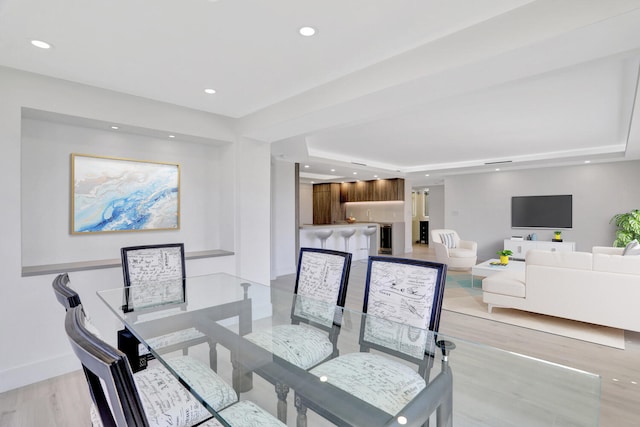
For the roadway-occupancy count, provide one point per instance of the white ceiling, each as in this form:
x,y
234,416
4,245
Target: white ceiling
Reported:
x,y
405,87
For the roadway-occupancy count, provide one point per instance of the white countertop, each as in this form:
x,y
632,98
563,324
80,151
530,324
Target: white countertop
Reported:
x,y
344,225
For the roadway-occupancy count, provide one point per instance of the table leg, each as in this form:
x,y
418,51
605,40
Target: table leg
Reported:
x,y
241,378
282,390
301,420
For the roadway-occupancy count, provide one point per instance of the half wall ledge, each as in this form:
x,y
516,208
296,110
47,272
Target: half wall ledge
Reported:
x,y
40,270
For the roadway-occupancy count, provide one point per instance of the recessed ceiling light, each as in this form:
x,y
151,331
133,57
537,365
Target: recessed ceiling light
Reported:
x,y
115,127
172,136
307,31
355,173
587,161
375,176
210,91
426,174
306,166
333,170
497,169
40,44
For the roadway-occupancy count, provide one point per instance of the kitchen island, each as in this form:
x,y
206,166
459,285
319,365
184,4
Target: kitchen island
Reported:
x,y
357,242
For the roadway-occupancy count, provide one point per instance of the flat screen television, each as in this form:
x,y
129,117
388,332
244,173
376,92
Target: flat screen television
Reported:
x,y
542,211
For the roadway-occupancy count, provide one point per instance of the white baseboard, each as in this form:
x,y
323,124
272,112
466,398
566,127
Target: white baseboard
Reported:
x,y
23,375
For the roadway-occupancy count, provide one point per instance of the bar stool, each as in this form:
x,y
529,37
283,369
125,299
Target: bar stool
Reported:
x,y
323,235
347,233
368,232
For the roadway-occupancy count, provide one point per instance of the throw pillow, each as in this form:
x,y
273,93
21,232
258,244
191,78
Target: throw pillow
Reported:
x,y
632,248
448,240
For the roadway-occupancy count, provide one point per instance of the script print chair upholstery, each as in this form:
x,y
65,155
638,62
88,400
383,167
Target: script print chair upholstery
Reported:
x,y
458,254
209,385
402,306
153,397
157,264
311,338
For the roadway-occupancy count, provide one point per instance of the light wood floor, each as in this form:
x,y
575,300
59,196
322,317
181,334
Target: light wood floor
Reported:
x,y
64,400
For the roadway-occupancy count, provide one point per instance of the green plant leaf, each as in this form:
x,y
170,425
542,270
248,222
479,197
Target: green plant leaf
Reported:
x,y
628,225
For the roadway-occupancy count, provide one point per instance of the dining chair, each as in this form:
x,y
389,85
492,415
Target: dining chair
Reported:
x,y
311,338
154,397
401,315
208,381
64,294
163,264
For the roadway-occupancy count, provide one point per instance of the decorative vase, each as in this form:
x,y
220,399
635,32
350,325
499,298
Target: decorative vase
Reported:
x,y
504,259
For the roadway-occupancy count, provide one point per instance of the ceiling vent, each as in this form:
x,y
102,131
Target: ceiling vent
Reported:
x,y
499,163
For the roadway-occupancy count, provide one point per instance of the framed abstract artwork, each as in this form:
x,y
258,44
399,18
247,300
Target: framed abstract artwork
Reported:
x,y
110,194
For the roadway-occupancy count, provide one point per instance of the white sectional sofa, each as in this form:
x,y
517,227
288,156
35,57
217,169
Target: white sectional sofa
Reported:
x,y
602,287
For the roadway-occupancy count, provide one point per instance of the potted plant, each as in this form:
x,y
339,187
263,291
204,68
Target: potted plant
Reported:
x,y
628,227
504,256
558,235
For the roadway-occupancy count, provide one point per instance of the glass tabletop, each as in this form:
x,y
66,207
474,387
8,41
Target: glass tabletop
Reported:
x,y
475,385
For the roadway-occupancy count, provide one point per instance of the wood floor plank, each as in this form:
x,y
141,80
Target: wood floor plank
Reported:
x,y
59,402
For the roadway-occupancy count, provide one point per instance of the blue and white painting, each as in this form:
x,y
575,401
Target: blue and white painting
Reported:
x,y
111,194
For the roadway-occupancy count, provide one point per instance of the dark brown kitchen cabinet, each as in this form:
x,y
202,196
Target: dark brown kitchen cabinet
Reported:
x,y
388,189
381,190
363,191
347,192
329,199
327,208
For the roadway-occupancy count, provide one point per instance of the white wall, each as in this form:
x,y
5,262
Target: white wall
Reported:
x,y
436,208
306,203
283,229
35,346
252,209
45,183
478,206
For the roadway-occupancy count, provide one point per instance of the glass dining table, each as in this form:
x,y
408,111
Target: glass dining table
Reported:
x,y
468,384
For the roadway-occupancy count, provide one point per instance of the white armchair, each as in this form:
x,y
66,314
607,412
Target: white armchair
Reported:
x,y
453,251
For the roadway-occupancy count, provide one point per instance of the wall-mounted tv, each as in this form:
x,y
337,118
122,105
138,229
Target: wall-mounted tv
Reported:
x,y
542,211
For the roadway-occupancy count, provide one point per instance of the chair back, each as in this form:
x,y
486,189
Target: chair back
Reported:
x,y
449,238
321,286
402,302
162,265
106,369
64,294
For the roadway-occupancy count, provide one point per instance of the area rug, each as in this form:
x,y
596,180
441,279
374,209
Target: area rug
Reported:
x,y
466,300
